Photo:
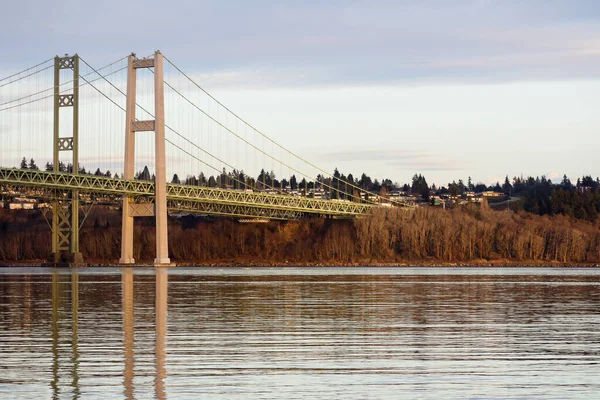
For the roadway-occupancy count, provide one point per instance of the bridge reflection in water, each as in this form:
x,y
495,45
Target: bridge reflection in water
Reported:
x,y
314,333
162,281
56,331
127,282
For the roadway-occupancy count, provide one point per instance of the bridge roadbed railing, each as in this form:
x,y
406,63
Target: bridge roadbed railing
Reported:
x,y
184,198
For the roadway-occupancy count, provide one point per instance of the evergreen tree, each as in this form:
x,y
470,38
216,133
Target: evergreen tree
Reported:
x,y
507,187
262,180
588,182
293,182
419,186
271,177
480,188
191,180
303,185
566,183
335,193
32,165
223,181
350,179
461,187
145,174
365,182
212,182
24,163
376,186
175,179
241,180
453,189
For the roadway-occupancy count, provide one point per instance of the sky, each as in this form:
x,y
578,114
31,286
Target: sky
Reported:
x,y
449,89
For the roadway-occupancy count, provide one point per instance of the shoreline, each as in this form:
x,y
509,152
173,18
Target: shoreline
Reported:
x,y
362,264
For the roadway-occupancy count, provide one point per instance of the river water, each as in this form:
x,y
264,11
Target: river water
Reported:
x,y
299,333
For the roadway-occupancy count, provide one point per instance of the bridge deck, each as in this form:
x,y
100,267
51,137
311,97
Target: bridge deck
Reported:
x,y
184,198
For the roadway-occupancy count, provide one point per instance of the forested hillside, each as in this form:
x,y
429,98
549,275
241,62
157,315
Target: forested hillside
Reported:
x,y
425,235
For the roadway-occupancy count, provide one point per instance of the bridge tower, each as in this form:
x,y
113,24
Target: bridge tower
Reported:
x,y
65,205
132,125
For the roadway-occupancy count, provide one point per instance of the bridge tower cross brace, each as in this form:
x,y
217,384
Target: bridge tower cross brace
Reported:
x,y
65,205
132,125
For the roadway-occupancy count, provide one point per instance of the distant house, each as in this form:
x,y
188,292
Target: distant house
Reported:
x,y
490,193
22,203
475,197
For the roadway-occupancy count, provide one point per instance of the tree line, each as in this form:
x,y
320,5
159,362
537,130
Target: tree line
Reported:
x,y
540,196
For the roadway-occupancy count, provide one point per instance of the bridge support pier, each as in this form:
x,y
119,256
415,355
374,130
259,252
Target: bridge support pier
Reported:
x,y
132,125
126,234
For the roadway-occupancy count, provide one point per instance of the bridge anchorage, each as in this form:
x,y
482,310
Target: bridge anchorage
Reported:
x,y
70,189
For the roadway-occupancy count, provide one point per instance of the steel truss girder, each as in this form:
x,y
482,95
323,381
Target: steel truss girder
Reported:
x,y
288,205
232,210
62,208
264,200
84,183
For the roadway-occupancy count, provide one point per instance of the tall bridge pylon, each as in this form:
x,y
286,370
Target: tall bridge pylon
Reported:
x,y
132,125
65,205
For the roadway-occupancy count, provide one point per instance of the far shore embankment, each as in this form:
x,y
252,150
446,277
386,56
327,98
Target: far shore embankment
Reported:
x,y
426,237
365,264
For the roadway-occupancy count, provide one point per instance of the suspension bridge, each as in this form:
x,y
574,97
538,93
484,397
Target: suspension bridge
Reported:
x,y
67,111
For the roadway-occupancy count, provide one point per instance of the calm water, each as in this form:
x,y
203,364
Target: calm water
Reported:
x,y
312,333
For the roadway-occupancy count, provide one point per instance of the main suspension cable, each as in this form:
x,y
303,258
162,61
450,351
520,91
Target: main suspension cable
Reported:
x,y
26,76
28,69
63,91
52,88
168,127
328,174
253,145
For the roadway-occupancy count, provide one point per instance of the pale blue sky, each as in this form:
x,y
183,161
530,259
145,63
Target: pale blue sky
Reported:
x,y
449,89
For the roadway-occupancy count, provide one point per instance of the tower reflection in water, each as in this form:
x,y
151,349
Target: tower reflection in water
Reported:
x,y
128,332
57,288
162,282
60,286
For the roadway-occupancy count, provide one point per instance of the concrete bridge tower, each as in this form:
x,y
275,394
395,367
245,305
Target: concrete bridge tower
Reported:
x,y
132,125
